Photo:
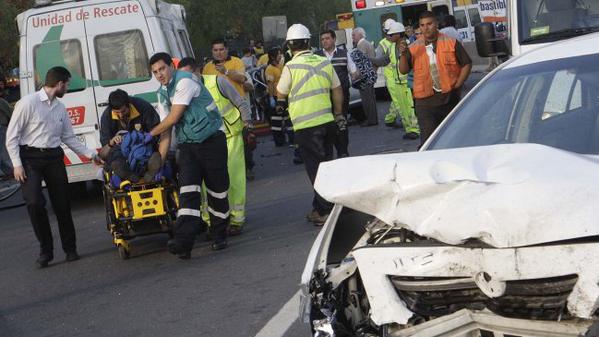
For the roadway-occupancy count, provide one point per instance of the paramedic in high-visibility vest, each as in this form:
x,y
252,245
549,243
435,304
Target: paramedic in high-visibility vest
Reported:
x,y
236,114
402,105
201,154
441,66
309,83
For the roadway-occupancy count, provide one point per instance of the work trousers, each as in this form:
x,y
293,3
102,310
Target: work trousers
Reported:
x,y
368,97
402,106
199,163
316,146
342,139
48,165
5,164
237,183
430,117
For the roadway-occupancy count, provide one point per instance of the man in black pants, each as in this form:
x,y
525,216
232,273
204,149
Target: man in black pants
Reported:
x,y
201,154
38,125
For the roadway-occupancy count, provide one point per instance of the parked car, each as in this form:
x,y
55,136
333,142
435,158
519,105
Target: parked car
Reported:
x,y
490,230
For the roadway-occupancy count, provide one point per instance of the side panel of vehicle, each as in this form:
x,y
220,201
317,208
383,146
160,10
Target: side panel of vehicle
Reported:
x,y
58,39
105,46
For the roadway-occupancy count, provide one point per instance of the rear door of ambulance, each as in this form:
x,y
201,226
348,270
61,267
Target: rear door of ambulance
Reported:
x,y
120,46
55,36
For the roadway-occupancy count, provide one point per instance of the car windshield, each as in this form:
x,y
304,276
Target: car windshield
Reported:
x,y
551,20
555,103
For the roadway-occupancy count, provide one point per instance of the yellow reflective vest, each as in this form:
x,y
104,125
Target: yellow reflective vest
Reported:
x,y
230,113
310,96
391,70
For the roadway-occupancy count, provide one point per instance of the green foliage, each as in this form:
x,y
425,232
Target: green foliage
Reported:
x,y
242,20
9,37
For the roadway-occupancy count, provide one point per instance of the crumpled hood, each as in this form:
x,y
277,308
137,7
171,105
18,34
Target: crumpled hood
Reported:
x,y
506,195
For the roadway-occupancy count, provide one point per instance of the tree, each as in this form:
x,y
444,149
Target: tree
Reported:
x,y
9,39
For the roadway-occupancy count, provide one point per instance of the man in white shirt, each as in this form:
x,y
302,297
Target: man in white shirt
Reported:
x,y
38,125
201,154
345,68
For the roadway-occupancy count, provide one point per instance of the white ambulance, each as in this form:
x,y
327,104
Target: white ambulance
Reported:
x,y
105,44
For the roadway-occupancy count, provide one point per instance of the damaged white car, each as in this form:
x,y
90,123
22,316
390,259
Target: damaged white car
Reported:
x,y
491,230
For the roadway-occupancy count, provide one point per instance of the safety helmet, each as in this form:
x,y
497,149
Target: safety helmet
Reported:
x,y
298,32
387,24
396,27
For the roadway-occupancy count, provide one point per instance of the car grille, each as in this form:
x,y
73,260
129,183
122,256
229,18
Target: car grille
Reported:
x,y
543,299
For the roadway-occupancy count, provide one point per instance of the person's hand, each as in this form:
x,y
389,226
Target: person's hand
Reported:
x,y
403,47
341,122
19,173
116,140
220,67
148,138
97,160
248,125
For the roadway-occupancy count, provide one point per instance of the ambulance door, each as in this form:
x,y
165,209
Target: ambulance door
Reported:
x,y
58,39
120,47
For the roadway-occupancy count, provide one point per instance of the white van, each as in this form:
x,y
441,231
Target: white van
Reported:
x,y
105,44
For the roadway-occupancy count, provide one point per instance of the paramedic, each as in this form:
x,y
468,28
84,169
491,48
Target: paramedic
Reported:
x,y
201,154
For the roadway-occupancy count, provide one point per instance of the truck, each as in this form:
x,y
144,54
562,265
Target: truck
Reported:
x,y
535,23
105,45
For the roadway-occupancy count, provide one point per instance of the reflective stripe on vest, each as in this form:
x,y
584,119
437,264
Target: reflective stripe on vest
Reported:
x,y
310,98
391,70
230,113
447,65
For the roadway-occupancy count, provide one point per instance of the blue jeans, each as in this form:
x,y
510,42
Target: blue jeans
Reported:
x,y
5,163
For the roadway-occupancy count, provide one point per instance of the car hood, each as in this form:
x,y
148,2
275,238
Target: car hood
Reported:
x,y
507,195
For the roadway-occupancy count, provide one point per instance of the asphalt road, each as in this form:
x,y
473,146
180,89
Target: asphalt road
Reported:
x,y
230,293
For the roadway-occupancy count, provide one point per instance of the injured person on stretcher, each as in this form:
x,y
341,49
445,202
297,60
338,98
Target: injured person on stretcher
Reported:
x,y
128,149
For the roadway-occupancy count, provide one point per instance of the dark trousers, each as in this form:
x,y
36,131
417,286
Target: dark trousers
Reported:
x,y
48,165
199,163
342,139
315,146
430,117
368,97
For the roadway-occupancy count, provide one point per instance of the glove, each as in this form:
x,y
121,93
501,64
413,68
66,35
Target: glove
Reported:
x,y
148,138
281,107
341,122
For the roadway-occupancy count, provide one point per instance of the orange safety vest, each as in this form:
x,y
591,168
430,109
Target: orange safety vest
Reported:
x,y
447,65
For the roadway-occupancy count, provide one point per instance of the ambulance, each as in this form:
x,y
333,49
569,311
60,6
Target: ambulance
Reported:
x,y
106,45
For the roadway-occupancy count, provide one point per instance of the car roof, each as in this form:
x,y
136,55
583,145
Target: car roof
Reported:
x,y
579,46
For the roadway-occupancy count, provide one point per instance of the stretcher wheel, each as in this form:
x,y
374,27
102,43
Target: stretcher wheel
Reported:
x,y
123,252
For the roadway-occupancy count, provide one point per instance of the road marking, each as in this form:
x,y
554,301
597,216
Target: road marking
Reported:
x,y
280,323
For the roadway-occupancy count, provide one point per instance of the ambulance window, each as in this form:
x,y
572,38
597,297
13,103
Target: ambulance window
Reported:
x,y
122,58
70,57
460,19
185,41
474,16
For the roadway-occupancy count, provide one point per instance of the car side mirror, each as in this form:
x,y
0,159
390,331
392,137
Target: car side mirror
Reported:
x,y
487,44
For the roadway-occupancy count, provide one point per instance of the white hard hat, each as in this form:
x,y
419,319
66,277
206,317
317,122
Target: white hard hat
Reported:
x,y
396,27
387,24
298,32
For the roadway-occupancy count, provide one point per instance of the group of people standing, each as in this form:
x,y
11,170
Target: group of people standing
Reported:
x,y
204,111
